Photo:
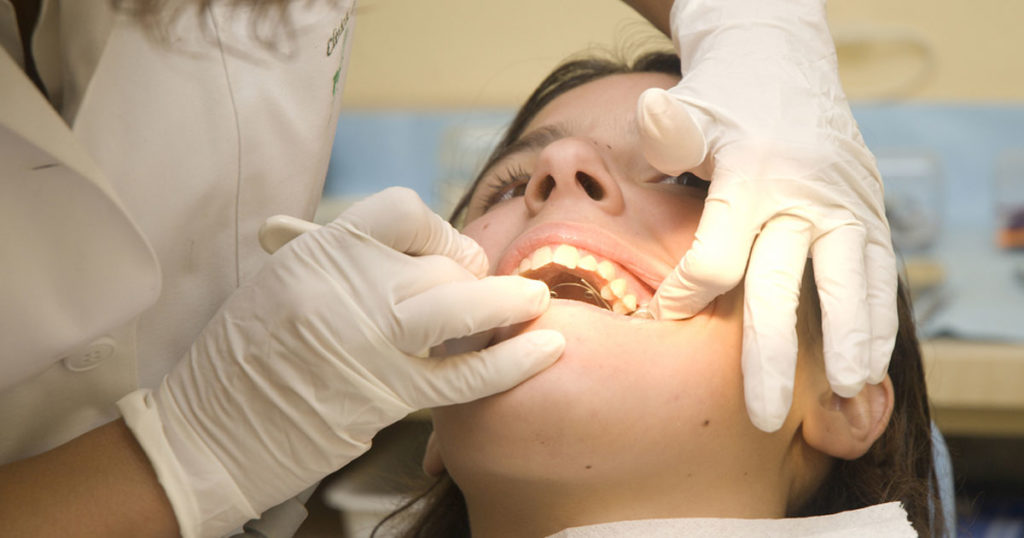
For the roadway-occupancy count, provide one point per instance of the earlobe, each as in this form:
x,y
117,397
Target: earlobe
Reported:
x,y
847,427
433,463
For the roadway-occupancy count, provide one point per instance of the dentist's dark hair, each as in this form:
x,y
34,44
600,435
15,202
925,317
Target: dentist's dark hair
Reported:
x,y
899,466
268,19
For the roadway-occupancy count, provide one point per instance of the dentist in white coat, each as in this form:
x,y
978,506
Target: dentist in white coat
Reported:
x,y
134,176
160,374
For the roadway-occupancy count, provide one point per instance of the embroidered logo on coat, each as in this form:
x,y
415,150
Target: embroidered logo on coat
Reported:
x,y
338,37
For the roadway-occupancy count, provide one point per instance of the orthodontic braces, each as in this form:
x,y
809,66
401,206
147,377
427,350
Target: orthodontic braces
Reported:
x,y
592,293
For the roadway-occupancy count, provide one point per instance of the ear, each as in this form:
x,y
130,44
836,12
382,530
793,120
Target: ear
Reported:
x,y
847,427
433,463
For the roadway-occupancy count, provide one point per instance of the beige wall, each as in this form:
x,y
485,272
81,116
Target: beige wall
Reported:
x,y
975,47
478,53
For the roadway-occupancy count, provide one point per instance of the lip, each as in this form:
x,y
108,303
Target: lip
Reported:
x,y
587,237
585,313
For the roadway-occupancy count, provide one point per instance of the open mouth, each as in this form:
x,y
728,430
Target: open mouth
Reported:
x,y
575,274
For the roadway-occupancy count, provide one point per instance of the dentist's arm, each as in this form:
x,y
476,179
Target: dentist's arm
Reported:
x,y
98,485
655,11
761,106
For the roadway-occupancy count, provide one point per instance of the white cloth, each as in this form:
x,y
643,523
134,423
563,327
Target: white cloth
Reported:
x,y
887,520
174,157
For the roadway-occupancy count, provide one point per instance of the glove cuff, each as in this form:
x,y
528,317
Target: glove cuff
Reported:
x,y
205,499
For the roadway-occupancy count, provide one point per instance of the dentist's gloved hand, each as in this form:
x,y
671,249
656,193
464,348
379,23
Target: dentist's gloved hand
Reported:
x,y
328,344
760,105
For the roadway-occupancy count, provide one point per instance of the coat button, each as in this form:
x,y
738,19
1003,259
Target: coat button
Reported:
x,y
91,357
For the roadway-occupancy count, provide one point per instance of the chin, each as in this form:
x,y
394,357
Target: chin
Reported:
x,y
625,392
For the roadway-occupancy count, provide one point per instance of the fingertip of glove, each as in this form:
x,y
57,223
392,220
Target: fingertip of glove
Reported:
x,y
475,259
769,422
538,291
653,101
877,377
668,309
671,140
847,373
768,404
848,389
881,355
546,342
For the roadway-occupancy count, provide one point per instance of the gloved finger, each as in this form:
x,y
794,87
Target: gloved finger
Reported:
x,y
713,265
398,218
670,138
471,376
771,297
280,229
882,288
838,258
456,346
457,309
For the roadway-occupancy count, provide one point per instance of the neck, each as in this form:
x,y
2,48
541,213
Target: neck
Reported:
x,y
541,508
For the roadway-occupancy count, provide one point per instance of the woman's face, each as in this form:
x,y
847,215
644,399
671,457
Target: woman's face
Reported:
x,y
648,406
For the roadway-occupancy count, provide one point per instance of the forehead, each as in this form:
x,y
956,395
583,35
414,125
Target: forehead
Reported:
x,y
613,96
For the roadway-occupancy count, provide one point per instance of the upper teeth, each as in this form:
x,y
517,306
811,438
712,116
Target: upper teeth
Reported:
x,y
613,290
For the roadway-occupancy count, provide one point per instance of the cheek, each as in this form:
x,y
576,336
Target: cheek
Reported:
x,y
496,229
669,220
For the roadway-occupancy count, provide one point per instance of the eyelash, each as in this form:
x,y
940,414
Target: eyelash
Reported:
x,y
686,178
505,185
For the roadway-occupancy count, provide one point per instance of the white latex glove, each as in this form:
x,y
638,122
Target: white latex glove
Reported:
x,y
327,345
760,105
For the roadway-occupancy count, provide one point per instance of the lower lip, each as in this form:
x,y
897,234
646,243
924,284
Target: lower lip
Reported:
x,y
581,313
592,310
570,303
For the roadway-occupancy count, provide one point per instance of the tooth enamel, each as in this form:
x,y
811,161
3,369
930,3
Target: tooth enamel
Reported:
x,y
619,308
629,301
541,257
587,263
618,286
566,256
606,294
524,265
606,270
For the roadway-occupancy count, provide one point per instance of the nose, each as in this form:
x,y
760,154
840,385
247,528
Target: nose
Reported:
x,y
572,170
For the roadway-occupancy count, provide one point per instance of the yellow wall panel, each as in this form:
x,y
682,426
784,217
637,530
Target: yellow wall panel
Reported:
x,y
481,53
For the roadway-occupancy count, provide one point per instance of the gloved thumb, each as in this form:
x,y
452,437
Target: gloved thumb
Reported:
x,y
478,374
398,218
280,229
670,138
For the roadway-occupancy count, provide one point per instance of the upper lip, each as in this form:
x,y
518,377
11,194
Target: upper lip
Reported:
x,y
588,237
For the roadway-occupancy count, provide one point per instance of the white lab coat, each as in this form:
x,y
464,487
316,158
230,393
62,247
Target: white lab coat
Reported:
x,y
122,234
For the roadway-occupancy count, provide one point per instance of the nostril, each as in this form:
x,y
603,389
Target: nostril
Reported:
x,y
590,185
546,186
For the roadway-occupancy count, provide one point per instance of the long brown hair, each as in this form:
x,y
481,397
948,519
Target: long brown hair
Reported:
x,y
898,467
